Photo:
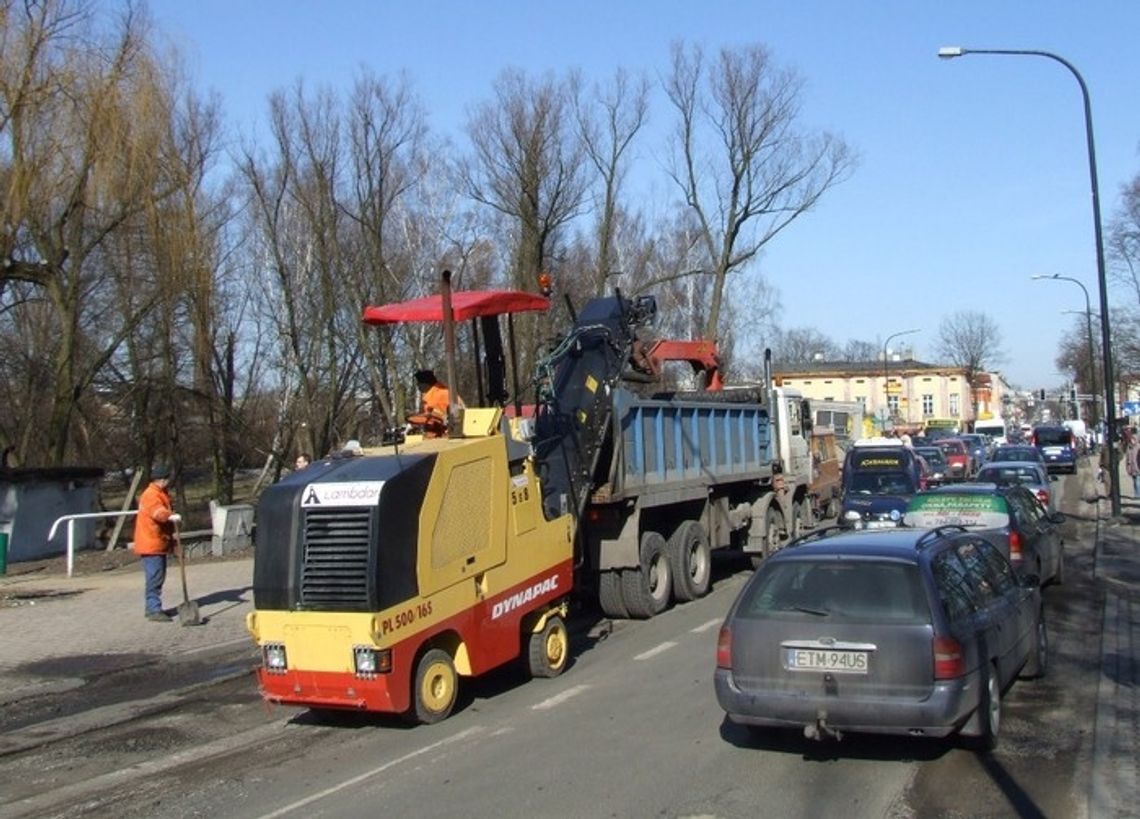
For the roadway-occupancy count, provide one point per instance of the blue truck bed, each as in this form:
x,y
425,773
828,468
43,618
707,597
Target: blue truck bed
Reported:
x,y
675,448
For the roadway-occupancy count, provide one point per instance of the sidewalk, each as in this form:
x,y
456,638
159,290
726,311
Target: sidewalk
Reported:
x,y
58,631
1116,752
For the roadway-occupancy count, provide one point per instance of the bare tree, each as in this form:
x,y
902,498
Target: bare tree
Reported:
x,y
1124,238
527,164
802,345
857,350
88,160
608,122
740,157
971,340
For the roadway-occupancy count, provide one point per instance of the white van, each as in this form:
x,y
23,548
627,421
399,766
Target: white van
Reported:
x,y
993,427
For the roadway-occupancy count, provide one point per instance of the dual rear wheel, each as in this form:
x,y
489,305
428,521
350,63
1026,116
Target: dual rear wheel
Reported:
x,y
678,568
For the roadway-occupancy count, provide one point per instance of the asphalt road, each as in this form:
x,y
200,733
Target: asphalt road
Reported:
x,y
631,729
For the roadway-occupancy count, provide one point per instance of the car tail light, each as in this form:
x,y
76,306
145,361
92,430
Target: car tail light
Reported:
x,y
948,661
1015,547
724,648
1043,496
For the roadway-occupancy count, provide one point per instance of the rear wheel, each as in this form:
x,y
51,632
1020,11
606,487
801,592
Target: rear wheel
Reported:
x,y
989,711
435,687
690,560
646,589
549,649
609,594
807,515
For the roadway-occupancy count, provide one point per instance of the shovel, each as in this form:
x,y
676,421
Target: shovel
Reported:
x,y
187,609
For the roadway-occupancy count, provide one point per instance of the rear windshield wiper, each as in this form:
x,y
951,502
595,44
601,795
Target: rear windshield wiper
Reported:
x,y
816,612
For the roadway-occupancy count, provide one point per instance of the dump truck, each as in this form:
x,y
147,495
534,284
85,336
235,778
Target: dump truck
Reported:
x,y
381,579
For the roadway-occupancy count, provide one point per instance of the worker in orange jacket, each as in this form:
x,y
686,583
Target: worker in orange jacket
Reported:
x,y
434,401
154,538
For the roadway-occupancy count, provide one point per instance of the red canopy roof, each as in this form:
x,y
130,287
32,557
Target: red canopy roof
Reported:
x,y
465,304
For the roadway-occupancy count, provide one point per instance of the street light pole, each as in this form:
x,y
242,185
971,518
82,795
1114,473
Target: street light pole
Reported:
x,y
1106,353
1088,326
886,364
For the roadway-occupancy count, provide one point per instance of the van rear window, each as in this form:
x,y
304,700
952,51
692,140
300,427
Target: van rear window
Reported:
x,y
1053,437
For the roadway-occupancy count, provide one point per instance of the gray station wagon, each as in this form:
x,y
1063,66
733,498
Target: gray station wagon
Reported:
x,y
894,631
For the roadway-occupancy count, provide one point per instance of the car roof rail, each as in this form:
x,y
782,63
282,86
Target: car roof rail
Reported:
x,y
937,533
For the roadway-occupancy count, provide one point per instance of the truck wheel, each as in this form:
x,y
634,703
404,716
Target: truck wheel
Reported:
x,y
691,561
549,649
797,527
773,524
609,594
436,684
807,515
646,589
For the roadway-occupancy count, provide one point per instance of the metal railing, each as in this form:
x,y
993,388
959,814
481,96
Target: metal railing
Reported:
x,y
71,530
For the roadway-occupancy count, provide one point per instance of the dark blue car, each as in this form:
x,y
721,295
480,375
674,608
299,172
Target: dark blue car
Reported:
x,y
878,482
1057,448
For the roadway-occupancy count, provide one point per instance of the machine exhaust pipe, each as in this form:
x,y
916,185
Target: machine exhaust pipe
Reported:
x,y
454,411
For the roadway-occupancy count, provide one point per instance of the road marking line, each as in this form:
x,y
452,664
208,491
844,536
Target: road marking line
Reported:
x,y
653,652
558,699
705,626
356,780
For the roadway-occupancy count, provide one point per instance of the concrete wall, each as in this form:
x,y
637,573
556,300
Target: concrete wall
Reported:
x,y
32,500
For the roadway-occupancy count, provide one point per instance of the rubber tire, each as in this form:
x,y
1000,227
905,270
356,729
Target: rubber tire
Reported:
x,y
691,561
833,508
435,687
1037,666
807,516
647,589
1058,578
609,594
989,716
773,525
797,527
549,649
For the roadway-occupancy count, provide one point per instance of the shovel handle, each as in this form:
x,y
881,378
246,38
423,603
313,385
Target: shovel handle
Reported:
x,y
181,562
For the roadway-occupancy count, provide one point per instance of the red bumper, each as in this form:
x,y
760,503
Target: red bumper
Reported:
x,y
321,689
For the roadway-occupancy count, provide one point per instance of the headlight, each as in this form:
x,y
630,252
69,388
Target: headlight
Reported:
x,y
896,515
273,658
851,514
369,661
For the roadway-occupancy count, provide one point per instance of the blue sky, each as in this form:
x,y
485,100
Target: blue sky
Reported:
x,y
974,172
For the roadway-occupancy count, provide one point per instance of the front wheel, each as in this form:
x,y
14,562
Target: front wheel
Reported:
x,y
549,649
435,687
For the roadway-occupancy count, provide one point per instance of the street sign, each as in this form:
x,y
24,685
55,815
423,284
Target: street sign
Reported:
x,y
1131,407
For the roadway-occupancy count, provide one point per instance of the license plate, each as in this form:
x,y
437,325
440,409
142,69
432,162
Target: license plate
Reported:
x,y
835,661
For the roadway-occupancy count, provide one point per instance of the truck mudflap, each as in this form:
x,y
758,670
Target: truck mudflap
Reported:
x,y
319,649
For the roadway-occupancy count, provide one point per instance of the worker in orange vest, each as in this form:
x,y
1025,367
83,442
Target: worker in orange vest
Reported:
x,y
154,537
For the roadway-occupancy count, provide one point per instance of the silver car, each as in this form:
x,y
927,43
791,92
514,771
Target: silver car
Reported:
x,y
1032,475
903,631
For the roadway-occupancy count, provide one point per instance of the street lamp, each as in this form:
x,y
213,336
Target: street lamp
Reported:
x,y
1088,326
948,52
886,364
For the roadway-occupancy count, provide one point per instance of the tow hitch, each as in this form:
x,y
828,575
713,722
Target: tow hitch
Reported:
x,y
820,730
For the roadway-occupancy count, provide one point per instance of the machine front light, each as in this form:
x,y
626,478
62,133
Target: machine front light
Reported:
x,y
273,657
369,661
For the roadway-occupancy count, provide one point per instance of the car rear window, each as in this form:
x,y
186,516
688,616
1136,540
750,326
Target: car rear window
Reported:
x,y
957,509
1052,437
847,591
1009,474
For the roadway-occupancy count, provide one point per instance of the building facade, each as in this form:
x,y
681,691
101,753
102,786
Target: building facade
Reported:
x,y
902,393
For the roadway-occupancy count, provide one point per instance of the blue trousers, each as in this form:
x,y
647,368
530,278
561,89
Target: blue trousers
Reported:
x,y
154,567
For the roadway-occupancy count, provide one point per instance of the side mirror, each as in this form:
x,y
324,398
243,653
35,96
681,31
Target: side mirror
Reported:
x,y
1030,581
1053,478
1057,518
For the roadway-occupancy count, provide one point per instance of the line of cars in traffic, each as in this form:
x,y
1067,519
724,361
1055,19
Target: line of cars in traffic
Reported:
x,y
916,613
